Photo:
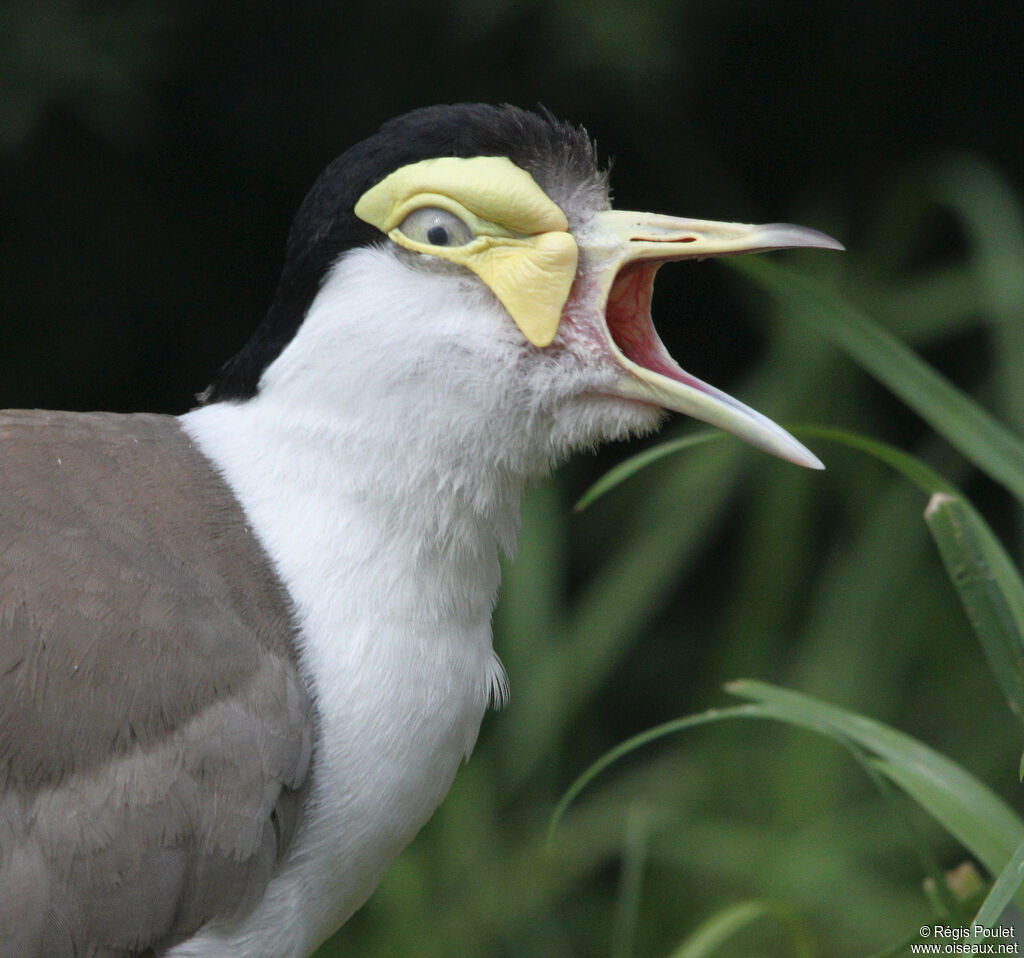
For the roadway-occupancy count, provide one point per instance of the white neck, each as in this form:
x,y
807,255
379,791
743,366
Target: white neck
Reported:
x,y
386,529
359,526
381,466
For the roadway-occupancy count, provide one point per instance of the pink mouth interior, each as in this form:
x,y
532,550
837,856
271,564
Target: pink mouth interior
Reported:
x,y
628,317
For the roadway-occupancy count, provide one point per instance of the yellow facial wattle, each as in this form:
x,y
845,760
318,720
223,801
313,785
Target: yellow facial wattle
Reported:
x,y
519,242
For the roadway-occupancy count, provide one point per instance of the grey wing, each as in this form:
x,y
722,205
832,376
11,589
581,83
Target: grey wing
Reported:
x,y
154,735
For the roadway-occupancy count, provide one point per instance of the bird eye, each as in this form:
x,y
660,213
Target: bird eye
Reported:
x,y
435,227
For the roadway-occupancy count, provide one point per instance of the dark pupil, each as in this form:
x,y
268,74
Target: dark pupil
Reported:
x,y
437,236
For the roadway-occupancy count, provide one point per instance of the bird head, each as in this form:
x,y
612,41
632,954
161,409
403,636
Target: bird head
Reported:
x,y
464,265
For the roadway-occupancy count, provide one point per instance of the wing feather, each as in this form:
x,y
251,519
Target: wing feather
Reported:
x,y
155,731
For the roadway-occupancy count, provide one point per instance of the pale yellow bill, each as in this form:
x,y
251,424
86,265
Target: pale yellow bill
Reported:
x,y
623,250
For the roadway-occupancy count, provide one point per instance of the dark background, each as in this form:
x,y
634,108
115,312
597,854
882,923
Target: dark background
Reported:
x,y
153,153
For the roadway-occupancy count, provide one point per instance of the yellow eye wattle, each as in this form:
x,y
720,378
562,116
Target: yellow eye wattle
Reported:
x,y
490,216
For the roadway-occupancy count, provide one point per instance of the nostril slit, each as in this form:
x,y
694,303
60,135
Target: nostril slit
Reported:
x,y
664,239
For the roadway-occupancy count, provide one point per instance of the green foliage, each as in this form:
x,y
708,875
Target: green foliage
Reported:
x,y
1007,884
709,938
963,423
989,586
697,561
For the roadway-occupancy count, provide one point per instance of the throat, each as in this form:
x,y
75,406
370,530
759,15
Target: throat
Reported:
x,y
391,562
370,537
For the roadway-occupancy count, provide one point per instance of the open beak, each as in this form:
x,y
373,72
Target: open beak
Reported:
x,y
622,251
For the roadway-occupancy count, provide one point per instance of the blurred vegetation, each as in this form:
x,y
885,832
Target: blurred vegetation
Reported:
x,y
152,154
827,583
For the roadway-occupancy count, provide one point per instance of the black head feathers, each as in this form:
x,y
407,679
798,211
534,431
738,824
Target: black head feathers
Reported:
x,y
560,157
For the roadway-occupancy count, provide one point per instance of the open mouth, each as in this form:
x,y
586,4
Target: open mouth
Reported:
x,y
627,251
628,318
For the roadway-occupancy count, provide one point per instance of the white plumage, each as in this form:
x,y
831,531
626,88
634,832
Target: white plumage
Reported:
x,y
381,466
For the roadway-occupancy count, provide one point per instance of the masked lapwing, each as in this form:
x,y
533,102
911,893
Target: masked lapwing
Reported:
x,y
244,650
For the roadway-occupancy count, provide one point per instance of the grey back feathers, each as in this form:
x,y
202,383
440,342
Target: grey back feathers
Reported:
x,y
131,812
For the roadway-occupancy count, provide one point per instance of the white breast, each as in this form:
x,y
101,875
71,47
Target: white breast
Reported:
x,y
396,643
386,533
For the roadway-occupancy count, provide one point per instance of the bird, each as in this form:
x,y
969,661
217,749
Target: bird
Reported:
x,y
244,650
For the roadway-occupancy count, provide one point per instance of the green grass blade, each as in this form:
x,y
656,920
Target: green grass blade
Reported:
x,y
964,816
941,303
1003,890
978,818
634,862
910,467
989,587
967,808
638,741
939,893
950,412
621,472
717,930
611,610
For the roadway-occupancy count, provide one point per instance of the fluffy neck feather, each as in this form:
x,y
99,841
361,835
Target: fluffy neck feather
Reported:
x,y
407,399
383,459
381,465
